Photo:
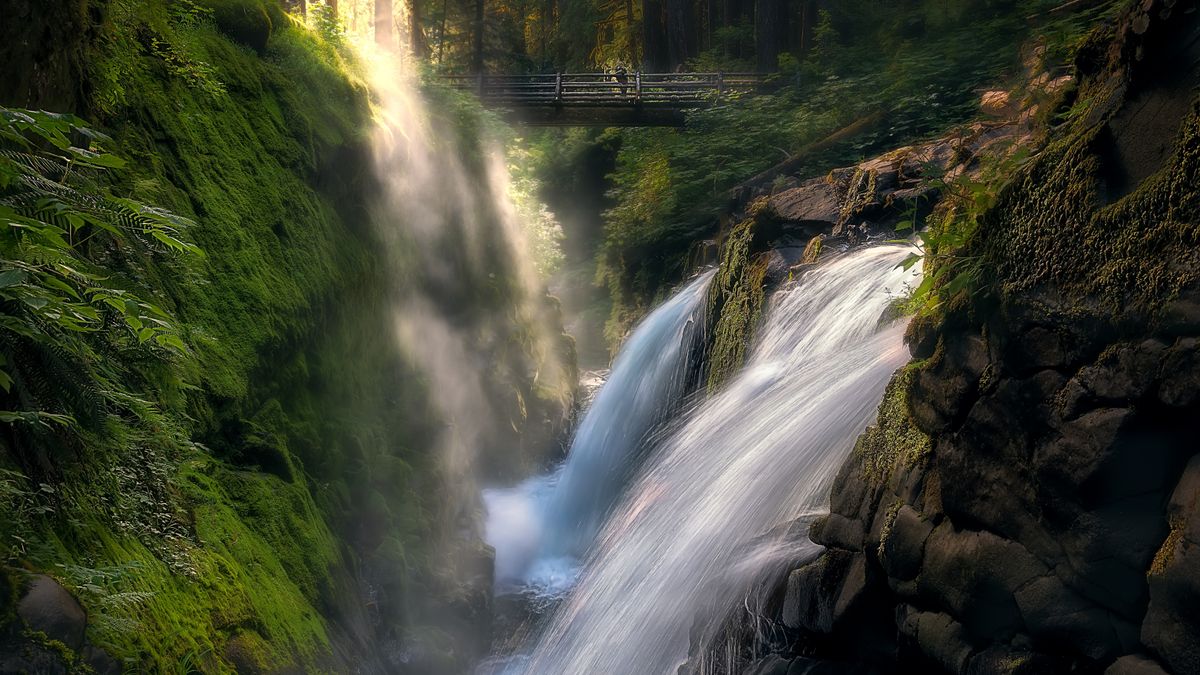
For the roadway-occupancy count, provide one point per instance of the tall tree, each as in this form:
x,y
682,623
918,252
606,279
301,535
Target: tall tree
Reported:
x,y
654,37
417,42
384,23
631,45
477,39
676,16
770,33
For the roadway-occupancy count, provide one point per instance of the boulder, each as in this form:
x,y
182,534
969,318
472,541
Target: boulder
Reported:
x,y
1135,664
48,607
939,637
1172,619
771,665
246,22
815,202
974,575
903,545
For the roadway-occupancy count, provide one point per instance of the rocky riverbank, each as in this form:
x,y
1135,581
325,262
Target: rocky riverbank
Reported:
x,y
1027,502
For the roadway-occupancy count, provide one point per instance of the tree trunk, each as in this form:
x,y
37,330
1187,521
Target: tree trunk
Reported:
x,y
477,39
654,37
383,24
770,32
808,22
676,11
630,34
418,45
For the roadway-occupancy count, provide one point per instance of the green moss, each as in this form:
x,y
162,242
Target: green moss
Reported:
x,y
889,519
735,300
1166,552
893,441
1057,224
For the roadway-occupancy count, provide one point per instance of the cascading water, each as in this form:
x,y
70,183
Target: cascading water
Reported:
x,y
689,534
539,527
473,320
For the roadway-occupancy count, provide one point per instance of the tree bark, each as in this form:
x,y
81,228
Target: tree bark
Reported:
x,y
477,39
808,22
770,33
654,37
418,45
630,33
676,11
384,24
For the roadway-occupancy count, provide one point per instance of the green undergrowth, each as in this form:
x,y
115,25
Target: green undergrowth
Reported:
x,y
204,517
877,77
269,452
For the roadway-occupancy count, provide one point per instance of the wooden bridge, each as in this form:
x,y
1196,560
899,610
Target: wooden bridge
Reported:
x,y
603,99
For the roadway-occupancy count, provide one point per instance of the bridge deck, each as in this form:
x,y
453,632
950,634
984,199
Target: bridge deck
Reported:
x,y
582,99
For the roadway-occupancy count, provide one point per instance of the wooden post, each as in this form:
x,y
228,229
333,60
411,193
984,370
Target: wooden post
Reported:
x,y
720,85
637,87
479,84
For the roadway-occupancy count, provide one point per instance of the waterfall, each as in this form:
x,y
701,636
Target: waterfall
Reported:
x,y
689,534
481,339
466,290
540,527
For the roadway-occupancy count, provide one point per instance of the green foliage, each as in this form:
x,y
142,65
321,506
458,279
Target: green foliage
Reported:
x,y
877,77
69,320
942,243
100,294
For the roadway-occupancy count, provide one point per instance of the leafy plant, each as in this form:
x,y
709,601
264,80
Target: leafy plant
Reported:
x,y
944,244
69,319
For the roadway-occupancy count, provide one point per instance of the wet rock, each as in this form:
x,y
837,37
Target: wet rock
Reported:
x,y
821,591
815,202
48,607
812,250
938,636
99,661
942,391
974,575
30,657
837,530
771,665
1055,614
1126,374
903,548
1135,664
1172,619
1180,386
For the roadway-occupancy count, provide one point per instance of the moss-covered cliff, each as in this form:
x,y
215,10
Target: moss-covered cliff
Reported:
x,y
1026,501
267,498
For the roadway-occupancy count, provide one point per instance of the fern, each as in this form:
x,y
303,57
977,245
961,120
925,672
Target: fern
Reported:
x,y
72,317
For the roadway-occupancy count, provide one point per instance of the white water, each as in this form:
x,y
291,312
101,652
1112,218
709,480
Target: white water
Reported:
x,y
451,234
540,528
688,536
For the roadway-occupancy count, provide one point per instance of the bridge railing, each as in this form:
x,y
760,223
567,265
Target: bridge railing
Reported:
x,y
606,89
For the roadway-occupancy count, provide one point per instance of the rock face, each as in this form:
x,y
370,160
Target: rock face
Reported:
x,y
1029,500
46,634
852,203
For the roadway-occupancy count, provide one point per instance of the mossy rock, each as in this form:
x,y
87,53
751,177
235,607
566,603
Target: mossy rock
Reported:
x,y
246,22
